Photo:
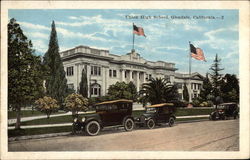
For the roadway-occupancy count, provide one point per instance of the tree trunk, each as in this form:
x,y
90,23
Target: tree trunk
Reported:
x,y
18,118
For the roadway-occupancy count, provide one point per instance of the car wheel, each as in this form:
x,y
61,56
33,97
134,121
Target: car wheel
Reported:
x,y
171,122
129,124
93,128
150,123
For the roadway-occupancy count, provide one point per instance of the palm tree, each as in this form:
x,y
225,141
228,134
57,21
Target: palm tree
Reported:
x,y
158,90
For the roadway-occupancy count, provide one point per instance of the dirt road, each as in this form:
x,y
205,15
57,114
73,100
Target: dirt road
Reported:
x,y
197,136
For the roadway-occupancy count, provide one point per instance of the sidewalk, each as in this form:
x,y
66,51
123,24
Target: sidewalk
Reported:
x,y
25,119
69,124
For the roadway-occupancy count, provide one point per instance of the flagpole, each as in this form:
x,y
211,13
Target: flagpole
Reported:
x,y
133,38
190,60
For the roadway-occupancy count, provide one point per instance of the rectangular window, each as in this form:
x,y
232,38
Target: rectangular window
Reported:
x,y
110,73
95,70
92,70
99,71
95,91
71,86
114,73
125,74
150,76
70,71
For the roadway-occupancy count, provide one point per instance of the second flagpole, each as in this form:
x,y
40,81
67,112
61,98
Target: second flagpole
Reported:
x,y
133,38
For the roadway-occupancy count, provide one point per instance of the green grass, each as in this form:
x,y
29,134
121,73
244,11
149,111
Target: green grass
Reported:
x,y
37,131
192,111
190,119
29,113
51,120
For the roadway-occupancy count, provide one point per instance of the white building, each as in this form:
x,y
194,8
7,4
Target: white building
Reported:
x,y
104,69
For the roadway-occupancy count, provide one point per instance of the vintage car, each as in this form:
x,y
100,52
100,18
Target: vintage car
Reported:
x,y
225,111
109,113
156,115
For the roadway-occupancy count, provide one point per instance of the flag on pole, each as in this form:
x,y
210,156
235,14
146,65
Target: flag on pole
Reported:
x,y
197,53
138,30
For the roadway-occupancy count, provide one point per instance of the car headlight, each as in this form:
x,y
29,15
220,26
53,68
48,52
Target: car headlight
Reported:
x,y
83,119
75,120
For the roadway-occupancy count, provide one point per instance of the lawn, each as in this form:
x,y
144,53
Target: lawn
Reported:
x,y
29,113
68,118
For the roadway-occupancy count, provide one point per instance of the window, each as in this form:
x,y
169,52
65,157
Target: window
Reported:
x,y
110,73
114,73
95,89
70,71
71,86
125,74
95,70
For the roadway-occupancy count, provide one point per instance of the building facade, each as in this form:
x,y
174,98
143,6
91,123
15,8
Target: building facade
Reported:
x,y
104,69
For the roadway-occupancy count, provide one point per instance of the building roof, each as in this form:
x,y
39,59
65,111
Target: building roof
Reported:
x,y
114,101
160,105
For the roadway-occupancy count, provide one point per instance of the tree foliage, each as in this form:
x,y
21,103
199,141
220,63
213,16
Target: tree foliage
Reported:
x,y
216,80
24,70
122,90
185,93
158,90
84,84
47,105
230,88
75,103
56,83
206,90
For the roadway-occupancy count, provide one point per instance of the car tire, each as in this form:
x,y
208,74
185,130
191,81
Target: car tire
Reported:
x,y
129,124
92,128
171,121
150,124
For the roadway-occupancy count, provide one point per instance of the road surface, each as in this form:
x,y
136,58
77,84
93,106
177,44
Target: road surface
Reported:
x,y
197,136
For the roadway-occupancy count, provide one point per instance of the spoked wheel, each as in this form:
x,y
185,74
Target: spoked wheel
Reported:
x,y
171,122
129,124
150,123
93,128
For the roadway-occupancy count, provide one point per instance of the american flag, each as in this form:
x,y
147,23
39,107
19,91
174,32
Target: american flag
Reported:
x,y
138,30
197,53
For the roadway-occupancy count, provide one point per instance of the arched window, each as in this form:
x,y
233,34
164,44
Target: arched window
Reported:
x,y
95,89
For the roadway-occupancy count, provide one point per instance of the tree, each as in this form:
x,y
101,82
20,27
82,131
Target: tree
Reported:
x,y
75,103
56,83
216,80
185,93
156,91
230,88
206,90
24,71
47,105
84,84
122,90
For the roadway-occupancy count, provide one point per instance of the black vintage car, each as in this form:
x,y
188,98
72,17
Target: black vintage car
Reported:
x,y
157,114
109,113
225,111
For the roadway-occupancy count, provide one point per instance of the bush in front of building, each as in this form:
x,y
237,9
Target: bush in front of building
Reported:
x,y
75,103
47,105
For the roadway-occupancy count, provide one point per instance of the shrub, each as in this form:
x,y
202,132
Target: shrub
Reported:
x,y
47,105
75,103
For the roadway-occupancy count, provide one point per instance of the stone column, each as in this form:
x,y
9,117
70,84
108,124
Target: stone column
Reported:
x,y
137,81
130,75
103,86
123,75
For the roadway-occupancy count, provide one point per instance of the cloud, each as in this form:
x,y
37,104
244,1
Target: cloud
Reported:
x,y
33,26
40,46
38,35
70,34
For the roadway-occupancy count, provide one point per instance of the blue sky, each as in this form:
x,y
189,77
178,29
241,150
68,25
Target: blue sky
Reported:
x,y
167,39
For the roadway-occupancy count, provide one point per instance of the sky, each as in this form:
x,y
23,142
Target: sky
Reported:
x,y
168,33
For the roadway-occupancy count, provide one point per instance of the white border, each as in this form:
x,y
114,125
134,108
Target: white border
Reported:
x,y
243,7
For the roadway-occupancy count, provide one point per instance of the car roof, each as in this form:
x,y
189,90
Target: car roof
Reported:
x,y
114,101
160,105
227,103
